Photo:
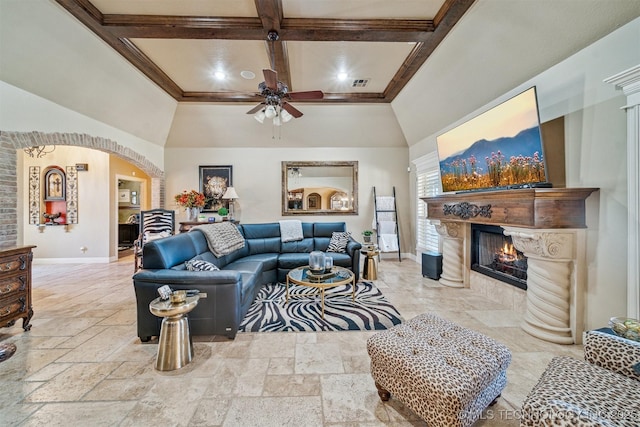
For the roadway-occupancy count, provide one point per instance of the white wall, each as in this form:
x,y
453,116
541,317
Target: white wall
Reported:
x,y
54,244
47,52
21,111
595,150
596,157
257,180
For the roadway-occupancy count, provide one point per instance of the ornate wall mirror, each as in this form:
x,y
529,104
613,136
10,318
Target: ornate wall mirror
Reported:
x,y
320,188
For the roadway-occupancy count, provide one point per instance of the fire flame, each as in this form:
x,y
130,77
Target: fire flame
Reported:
x,y
508,253
508,249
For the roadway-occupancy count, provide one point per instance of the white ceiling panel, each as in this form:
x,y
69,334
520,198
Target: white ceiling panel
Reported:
x,y
192,63
244,8
315,65
361,9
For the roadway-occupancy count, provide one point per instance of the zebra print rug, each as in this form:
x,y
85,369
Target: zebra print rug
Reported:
x,y
270,313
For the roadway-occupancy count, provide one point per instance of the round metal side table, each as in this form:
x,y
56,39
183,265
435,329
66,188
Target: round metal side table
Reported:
x,y
175,348
370,271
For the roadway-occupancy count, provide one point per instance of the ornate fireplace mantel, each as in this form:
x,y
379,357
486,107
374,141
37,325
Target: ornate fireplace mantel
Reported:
x,y
527,207
547,225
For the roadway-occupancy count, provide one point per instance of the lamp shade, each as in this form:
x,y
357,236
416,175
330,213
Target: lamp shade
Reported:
x,y
230,193
260,116
270,112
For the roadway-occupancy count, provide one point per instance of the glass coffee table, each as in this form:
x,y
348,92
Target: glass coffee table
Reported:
x,y
337,277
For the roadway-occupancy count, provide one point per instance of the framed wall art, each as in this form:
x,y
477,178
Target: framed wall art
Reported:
x,y
214,181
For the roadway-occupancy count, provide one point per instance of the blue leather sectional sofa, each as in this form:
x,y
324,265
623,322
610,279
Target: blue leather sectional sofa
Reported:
x,y
230,290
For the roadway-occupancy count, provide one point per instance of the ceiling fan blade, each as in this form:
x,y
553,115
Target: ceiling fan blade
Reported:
x,y
311,94
271,79
292,110
256,108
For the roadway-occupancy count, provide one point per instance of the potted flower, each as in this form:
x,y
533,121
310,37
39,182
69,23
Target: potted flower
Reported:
x,y
192,201
366,234
223,212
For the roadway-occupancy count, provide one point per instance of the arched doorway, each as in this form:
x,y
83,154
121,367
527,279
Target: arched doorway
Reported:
x,y
10,142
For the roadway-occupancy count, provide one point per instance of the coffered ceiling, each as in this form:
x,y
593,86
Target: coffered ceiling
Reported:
x,y
376,45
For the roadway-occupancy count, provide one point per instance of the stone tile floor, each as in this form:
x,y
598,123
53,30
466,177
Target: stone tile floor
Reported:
x,y
82,363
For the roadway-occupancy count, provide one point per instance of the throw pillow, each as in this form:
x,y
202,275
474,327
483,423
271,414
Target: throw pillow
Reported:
x,y
339,241
200,265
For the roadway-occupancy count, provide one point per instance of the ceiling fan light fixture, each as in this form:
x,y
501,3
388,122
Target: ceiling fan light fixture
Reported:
x,y
285,116
259,116
270,112
277,121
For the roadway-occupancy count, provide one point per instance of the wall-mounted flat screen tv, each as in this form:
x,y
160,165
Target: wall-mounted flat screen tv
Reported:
x,y
500,148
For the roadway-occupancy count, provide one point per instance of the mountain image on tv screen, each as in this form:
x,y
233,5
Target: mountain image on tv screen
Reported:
x,y
499,148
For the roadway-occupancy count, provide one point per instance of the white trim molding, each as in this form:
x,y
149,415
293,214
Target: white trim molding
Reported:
x,y
629,82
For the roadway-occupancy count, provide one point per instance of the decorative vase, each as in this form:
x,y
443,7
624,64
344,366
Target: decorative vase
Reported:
x,y
192,214
316,261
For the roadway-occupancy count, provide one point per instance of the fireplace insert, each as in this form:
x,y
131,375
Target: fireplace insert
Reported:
x,y
493,254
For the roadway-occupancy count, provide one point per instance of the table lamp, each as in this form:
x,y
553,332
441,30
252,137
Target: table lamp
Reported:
x,y
230,195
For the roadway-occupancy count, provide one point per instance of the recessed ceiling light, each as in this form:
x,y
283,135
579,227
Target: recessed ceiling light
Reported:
x,y
342,76
220,75
249,75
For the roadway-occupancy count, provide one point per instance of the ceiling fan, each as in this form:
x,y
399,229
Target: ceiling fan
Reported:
x,y
276,95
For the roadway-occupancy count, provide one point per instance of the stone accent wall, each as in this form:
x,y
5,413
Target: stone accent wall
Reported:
x,y
12,141
8,195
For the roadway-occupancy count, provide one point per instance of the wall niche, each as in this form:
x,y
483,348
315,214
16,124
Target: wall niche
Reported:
x,y
53,195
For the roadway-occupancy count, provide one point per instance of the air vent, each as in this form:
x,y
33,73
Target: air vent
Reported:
x,y
360,82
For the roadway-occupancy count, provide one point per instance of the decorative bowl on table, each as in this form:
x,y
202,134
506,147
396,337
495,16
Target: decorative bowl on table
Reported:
x,y
178,297
626,327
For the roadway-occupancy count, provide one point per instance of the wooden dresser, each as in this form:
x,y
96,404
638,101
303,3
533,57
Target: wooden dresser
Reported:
x,y
15,286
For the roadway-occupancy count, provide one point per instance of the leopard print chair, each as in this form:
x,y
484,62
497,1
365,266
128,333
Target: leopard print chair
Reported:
x,y
602,390
445,373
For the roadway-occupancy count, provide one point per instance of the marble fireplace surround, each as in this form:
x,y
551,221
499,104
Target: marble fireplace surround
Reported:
x,y
548,226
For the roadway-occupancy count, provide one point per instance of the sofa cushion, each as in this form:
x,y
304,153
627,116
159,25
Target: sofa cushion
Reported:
x,y
165,253
338,242
292,260
262,238
305,246
245,265
326,229
261,231
269,260
199,265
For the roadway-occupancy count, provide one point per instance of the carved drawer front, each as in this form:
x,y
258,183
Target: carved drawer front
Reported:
x,y
12,307
11,264
12,285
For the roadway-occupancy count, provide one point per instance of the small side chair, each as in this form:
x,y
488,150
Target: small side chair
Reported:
x,y
154,224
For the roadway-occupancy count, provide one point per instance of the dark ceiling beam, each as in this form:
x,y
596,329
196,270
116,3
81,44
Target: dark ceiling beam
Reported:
x,y
365,30
184,27
271,14
362,97
294,29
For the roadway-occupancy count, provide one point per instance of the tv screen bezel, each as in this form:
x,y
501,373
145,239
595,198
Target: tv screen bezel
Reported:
x,y
479,117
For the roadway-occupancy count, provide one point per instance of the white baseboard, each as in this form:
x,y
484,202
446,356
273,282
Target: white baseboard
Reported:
x,y
93,260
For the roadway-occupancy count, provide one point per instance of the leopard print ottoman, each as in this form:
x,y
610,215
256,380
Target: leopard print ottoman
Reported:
x,y
445,373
